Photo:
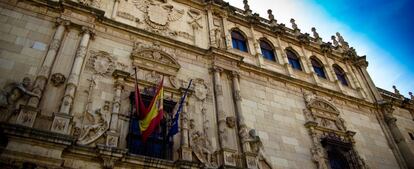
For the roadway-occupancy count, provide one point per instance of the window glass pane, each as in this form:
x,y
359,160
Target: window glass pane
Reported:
x,y
268,54
238,41
319,71
295,63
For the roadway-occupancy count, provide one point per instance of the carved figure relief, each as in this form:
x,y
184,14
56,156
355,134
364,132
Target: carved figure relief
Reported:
x,y
319,157
195,19
231,121
201,147
158,14
96,125
257,147
13,95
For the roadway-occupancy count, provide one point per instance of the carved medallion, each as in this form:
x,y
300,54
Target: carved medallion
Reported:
x,y
58,79
101,62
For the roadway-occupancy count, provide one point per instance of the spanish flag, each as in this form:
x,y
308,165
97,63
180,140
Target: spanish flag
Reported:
x,y
153,114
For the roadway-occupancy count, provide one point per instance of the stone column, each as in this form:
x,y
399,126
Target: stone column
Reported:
x,y
282,58
257,50
328,68
115,9
307,66
362,64
112,136
243,130
210,27
185,150
227,155
61,120
44,73
226,33
239,111
399,139
221,116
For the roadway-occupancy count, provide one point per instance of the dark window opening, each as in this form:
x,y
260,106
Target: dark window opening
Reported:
x,y
318,68
293,60
337,160
158,144
340,74
238,41
267,51
411,136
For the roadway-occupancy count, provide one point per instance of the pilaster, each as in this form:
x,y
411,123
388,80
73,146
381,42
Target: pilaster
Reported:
x,y
44,73
62,119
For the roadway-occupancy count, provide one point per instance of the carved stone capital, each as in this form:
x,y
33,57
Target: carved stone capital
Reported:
x,y
216,69
88,30
235,74
63,22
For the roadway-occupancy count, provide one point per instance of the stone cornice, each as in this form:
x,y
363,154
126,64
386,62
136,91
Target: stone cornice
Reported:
x,y
32,133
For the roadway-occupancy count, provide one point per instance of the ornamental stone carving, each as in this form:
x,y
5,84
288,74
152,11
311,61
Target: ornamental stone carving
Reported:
x,y
200,89
202,149
158,15
92,3
95,126
146,56
257,147
58,79
196,19
326,129
102,63
231,121
13,95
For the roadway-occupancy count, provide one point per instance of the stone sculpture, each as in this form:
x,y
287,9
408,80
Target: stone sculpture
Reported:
x,y
201,148
12,94
257,147
96,128
319,157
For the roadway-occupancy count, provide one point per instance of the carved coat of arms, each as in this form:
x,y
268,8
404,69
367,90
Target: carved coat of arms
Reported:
x,y
158,14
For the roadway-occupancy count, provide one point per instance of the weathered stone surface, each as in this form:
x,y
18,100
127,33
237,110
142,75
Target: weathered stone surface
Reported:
x,y
171,39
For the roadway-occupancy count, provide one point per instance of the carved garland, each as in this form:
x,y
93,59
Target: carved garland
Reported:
x,y
328,131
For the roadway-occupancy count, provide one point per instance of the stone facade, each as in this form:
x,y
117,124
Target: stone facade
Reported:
x,y
67,71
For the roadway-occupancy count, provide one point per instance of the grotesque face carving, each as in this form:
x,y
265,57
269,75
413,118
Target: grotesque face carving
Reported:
x,y
231,122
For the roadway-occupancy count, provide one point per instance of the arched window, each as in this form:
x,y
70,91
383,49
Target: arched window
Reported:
x,y
340,74
239,41
293,60
267,51
318,67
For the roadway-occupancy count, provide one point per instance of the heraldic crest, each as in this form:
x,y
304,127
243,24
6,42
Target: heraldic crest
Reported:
x,y
158,14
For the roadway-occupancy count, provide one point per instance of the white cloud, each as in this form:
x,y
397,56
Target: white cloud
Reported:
x,y
383,69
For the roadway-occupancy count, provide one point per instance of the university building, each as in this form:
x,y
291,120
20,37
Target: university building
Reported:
x,y
264,95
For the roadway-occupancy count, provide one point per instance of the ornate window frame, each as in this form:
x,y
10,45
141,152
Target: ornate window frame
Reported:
x,y
328,130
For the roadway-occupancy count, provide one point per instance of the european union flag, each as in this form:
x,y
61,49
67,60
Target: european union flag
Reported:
x,y
174,126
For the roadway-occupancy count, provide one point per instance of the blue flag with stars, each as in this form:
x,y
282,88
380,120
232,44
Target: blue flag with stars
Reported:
x,y
174,126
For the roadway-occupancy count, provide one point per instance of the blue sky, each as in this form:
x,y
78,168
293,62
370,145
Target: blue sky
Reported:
x,y
379,29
